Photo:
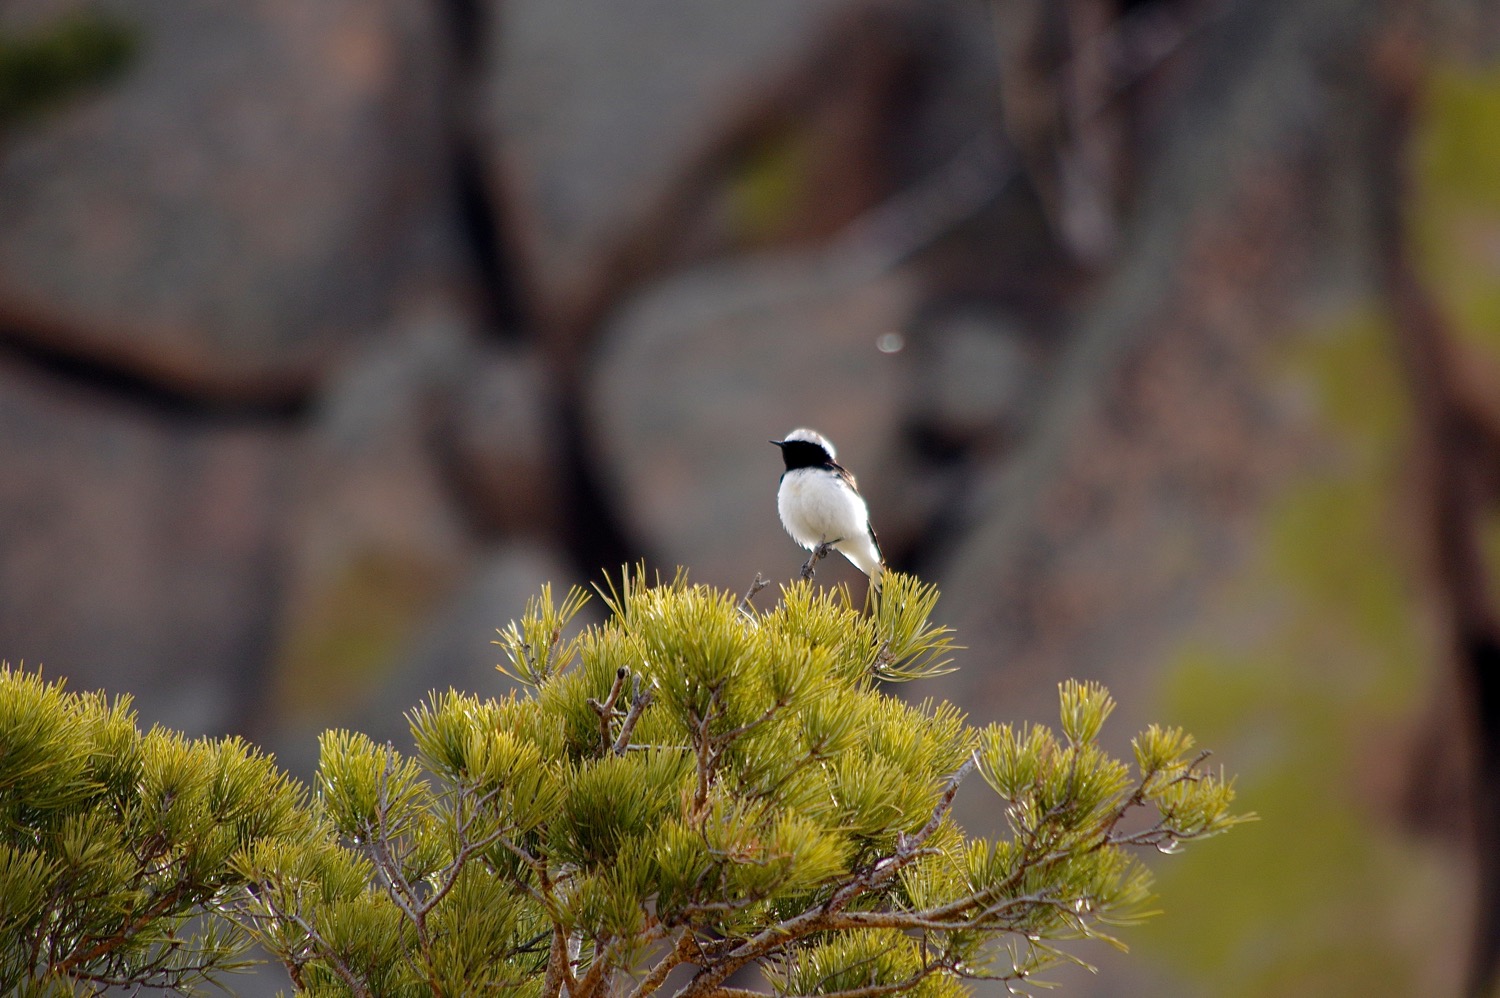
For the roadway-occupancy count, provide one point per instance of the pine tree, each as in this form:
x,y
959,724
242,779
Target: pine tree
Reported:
x,y
115,844
698,785
689,792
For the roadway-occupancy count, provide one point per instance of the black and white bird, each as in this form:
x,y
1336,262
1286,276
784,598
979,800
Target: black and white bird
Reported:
x,y
820,505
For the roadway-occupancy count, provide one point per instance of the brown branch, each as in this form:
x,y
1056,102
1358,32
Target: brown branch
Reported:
x,y
639,701
778,936
724,738
537,895
606,710
756,586
945,802
704,749
400,889
342,969
658,974
604,958
121,936
467,848
559,973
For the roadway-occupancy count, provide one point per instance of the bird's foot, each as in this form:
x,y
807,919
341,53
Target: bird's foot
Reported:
x,y
819,552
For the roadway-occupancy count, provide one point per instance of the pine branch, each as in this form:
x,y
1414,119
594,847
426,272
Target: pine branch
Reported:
x,y
559,972
526,855
756,585
606,710
658,974
823,918
639,701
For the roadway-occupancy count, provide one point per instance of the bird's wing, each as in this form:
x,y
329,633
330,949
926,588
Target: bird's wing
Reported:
x,y
875,541
848,479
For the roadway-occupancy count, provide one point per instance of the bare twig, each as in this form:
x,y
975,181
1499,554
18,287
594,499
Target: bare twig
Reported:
x,y
380,851
639,700
704,747
606,710
724,738
467,848
944,805
342,969
755,587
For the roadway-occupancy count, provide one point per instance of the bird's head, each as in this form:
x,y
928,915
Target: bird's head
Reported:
x,y
804,448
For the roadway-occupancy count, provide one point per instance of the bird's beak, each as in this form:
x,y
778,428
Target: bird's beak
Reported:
x,y
779,443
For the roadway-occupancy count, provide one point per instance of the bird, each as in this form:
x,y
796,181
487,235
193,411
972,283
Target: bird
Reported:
x,y
820,505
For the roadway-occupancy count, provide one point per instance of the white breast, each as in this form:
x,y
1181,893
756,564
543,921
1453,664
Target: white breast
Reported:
x,y
816,507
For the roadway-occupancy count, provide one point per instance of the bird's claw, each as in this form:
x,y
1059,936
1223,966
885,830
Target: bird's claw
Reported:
x,y
819,552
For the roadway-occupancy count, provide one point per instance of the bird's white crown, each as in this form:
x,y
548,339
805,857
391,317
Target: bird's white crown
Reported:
x,y
812,437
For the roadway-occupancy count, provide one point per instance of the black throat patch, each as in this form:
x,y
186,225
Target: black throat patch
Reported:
x,y
805,454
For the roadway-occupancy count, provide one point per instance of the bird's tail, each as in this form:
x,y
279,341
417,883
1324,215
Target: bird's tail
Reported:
x,y
867,558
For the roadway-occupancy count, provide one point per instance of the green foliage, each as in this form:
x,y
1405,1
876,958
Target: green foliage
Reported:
x,y
692,784
112,841
695,782
38,70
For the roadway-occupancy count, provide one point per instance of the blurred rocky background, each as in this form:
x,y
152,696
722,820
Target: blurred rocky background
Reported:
x,y
1163,334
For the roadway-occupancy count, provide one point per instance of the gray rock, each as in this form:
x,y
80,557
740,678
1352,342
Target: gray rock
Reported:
x,y
501,444
598,114
376,541
257,187
139,550
977,377
452,648
702,370
456,648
